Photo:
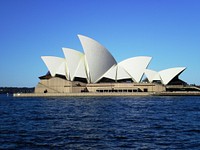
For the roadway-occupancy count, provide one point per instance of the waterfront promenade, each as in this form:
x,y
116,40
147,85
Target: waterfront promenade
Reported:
x,y
107,94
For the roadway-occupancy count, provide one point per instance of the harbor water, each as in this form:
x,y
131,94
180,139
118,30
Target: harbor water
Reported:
x,y
147,122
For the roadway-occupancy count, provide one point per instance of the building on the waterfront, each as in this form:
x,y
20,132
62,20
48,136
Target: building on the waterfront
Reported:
x,y
96,70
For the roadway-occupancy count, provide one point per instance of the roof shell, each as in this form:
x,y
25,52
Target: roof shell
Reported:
x,y
122,73
55,65
152,75
111,73
168,74
81,69
73,59
136,66
165,76
99,59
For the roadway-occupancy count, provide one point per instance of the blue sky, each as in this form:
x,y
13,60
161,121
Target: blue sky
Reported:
x,y
167,30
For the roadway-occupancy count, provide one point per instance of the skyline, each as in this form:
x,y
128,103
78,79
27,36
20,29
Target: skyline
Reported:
x,y
167,31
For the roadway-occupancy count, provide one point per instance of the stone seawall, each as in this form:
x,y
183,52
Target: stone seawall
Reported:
x,y
107,94
177,94
79,94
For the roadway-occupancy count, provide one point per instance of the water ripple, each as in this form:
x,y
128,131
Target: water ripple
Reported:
x,y
100,123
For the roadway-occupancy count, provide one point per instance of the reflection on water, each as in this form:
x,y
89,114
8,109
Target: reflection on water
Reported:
x,y
100,123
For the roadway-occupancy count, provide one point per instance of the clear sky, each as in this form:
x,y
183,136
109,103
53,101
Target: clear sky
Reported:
x,y
167,30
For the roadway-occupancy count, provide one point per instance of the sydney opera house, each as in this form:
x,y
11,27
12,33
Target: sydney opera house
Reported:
x,y
97,71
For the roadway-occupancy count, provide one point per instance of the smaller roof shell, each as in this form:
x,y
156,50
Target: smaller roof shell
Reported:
x,y
81,69
73,59
152,75
165,76
168,74
111,73
55,65
122,73
136,66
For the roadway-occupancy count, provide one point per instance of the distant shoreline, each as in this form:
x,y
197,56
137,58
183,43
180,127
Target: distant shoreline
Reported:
x,y
11,90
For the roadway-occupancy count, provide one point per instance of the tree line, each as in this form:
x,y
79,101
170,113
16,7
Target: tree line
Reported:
x,y
11,90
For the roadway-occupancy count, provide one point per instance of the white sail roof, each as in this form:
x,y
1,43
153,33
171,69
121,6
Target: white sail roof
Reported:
x,y
96,63
122,73
136,66
98,58
165,76
111,73
73,59
55,65
168,74
62,69
152,75
81,69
